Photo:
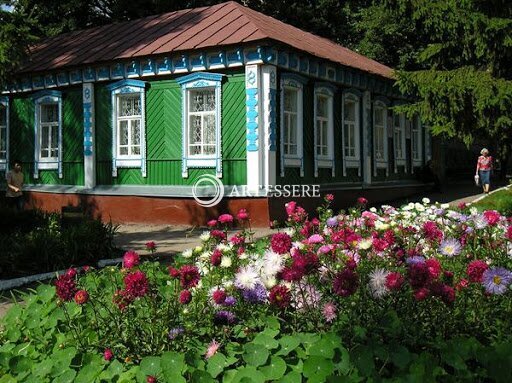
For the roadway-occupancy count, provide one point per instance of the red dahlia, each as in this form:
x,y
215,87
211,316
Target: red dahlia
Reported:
x,y
476,270
281,243
280,296
185,297
81,297
219,296
345,283
66,287
189,276
394,280
136,284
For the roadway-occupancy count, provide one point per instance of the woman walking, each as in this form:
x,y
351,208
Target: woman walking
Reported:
x,y
484,168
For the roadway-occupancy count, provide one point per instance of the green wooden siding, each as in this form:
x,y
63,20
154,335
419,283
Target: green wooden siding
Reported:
x,y
164,136
22,114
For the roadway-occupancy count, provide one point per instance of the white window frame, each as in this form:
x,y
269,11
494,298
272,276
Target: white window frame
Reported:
x,y
198,81
117,90
380,163
294,83
399,130
351,162
4,102
324,161
416,135
48,163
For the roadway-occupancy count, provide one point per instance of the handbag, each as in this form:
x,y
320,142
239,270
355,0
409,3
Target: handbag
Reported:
x,y
477,179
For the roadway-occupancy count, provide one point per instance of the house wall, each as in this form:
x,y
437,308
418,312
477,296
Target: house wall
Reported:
x,y
22,116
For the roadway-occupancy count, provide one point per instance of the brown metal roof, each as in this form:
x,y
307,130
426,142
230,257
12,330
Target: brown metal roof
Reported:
x,y
218,25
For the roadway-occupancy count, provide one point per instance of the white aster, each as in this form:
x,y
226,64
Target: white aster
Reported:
x,y
225,261
425,200
364,244
377,283
187,253
205,236
273,263
247,278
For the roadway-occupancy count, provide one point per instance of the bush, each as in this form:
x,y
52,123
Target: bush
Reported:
x,y
420,293
35,242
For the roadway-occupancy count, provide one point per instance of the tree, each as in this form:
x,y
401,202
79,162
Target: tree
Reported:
x,y
15,39
463,87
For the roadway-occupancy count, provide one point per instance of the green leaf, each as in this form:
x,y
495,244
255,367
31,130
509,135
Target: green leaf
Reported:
x,y
89,373
323,347
201,377
173,365
255,354
216,364
67,376
150,365
275,370
248,374
288,344
46,292
363,360
344,365
291,377
317,369
273,323
20,364
265,340
43,368
114,369
401,357
61,360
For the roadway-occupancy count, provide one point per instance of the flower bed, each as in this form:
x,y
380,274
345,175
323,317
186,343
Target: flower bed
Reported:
x,y
419,293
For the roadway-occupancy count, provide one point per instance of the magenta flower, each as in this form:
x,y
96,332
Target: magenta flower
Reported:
x,y
108,355
226,218
130,259
315,238
281,243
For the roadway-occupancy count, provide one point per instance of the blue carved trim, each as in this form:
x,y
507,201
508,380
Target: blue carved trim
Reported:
x,y
325,88
133,68
294,62
42,95
124,83
313,67
117,71
49,80
304,65
253,54
273,117
75,76
268,54
282,59
63,78
148,67
331,74
252,119
235,57
89,74
164,65
198,61
181,64
382,99
355,92
103,73
199,76
37,82
295,77
217,59
26,83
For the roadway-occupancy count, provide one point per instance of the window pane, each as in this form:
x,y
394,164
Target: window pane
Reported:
x,y
290,100
202,100
135,132
3,115
346,134
3,139
324,138
209,129
129,105
45,137
195,130
49,113
54,137
123,151
396,120
293,130
350,110
321,106
123,132
379,116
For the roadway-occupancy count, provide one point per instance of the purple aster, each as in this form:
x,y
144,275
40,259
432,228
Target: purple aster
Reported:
x,y
175,332
450,247
331,222
224,317
229,301
256,295
496,280
415,260
439,211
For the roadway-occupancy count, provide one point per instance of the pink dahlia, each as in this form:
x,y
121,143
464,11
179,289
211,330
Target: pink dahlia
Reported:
x,y
394,281
281,243
108,354
315,238
130,259
151,379
212,223
345,283
81,297
329,312
329,197
218,234
71,272
65,287
219,296
492,217
189,276
151,246
362,201
212,349
136,284
434,268
290,207
173,272
421,294
225,218
280,296
475,270
242,215
185,297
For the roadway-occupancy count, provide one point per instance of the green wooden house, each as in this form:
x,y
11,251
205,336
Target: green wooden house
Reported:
x,y
127,119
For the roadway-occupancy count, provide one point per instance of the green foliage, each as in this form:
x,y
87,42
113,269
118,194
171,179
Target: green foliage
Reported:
x,y
500,201
35,242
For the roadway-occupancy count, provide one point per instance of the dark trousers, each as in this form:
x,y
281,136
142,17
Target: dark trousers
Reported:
x,y
15,202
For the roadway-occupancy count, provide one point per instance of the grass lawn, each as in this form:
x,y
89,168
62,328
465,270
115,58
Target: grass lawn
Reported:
x,y
501,201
